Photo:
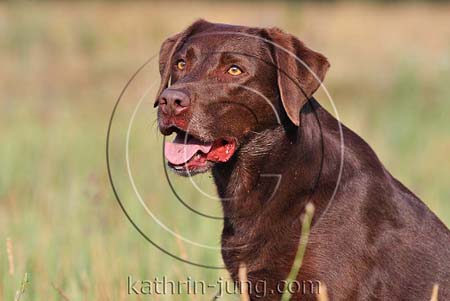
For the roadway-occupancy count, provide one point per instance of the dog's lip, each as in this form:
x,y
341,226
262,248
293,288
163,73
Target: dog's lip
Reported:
x,y
222,149
168,130
174,128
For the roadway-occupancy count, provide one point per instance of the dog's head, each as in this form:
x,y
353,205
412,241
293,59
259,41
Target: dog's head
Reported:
x,y
221,84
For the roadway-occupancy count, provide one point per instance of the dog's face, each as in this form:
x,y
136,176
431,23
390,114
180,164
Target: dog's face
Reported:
x,y
226,84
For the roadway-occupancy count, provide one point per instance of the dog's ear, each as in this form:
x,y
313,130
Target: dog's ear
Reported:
x,y
300,71
168,49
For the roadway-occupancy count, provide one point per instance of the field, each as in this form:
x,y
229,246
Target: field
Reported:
x,y
63,65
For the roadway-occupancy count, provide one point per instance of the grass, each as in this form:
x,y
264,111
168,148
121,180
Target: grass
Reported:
x,y
301,249
63,66
23,286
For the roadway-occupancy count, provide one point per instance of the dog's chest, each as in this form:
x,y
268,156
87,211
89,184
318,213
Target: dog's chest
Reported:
x,y
262,247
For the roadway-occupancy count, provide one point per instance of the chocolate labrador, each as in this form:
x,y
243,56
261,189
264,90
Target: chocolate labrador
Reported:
x,y
240,101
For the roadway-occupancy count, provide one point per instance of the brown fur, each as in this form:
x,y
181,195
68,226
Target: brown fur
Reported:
x,y
374,241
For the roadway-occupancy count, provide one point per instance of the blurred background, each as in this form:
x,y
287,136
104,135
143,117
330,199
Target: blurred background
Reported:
x,y
62,67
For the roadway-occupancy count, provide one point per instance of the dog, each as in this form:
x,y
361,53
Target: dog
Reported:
x,y
240,100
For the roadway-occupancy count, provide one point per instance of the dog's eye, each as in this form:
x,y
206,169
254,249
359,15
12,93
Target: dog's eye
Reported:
x,y
234,70
181,64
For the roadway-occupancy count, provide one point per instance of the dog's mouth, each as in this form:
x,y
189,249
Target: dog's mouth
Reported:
x,y
188,155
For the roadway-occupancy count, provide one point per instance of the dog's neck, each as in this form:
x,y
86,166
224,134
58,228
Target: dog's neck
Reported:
x,y
276,170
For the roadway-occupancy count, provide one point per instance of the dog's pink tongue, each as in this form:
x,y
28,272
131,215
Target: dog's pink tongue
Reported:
x,y
180,151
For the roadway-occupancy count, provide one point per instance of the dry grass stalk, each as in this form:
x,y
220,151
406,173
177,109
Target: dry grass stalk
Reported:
x,y
323,293
434,294
9,252
217,296
243,280
23,285
183,254
60,292
181,247
301,249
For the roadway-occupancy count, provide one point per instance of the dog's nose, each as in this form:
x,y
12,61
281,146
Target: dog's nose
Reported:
x,y
174,102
